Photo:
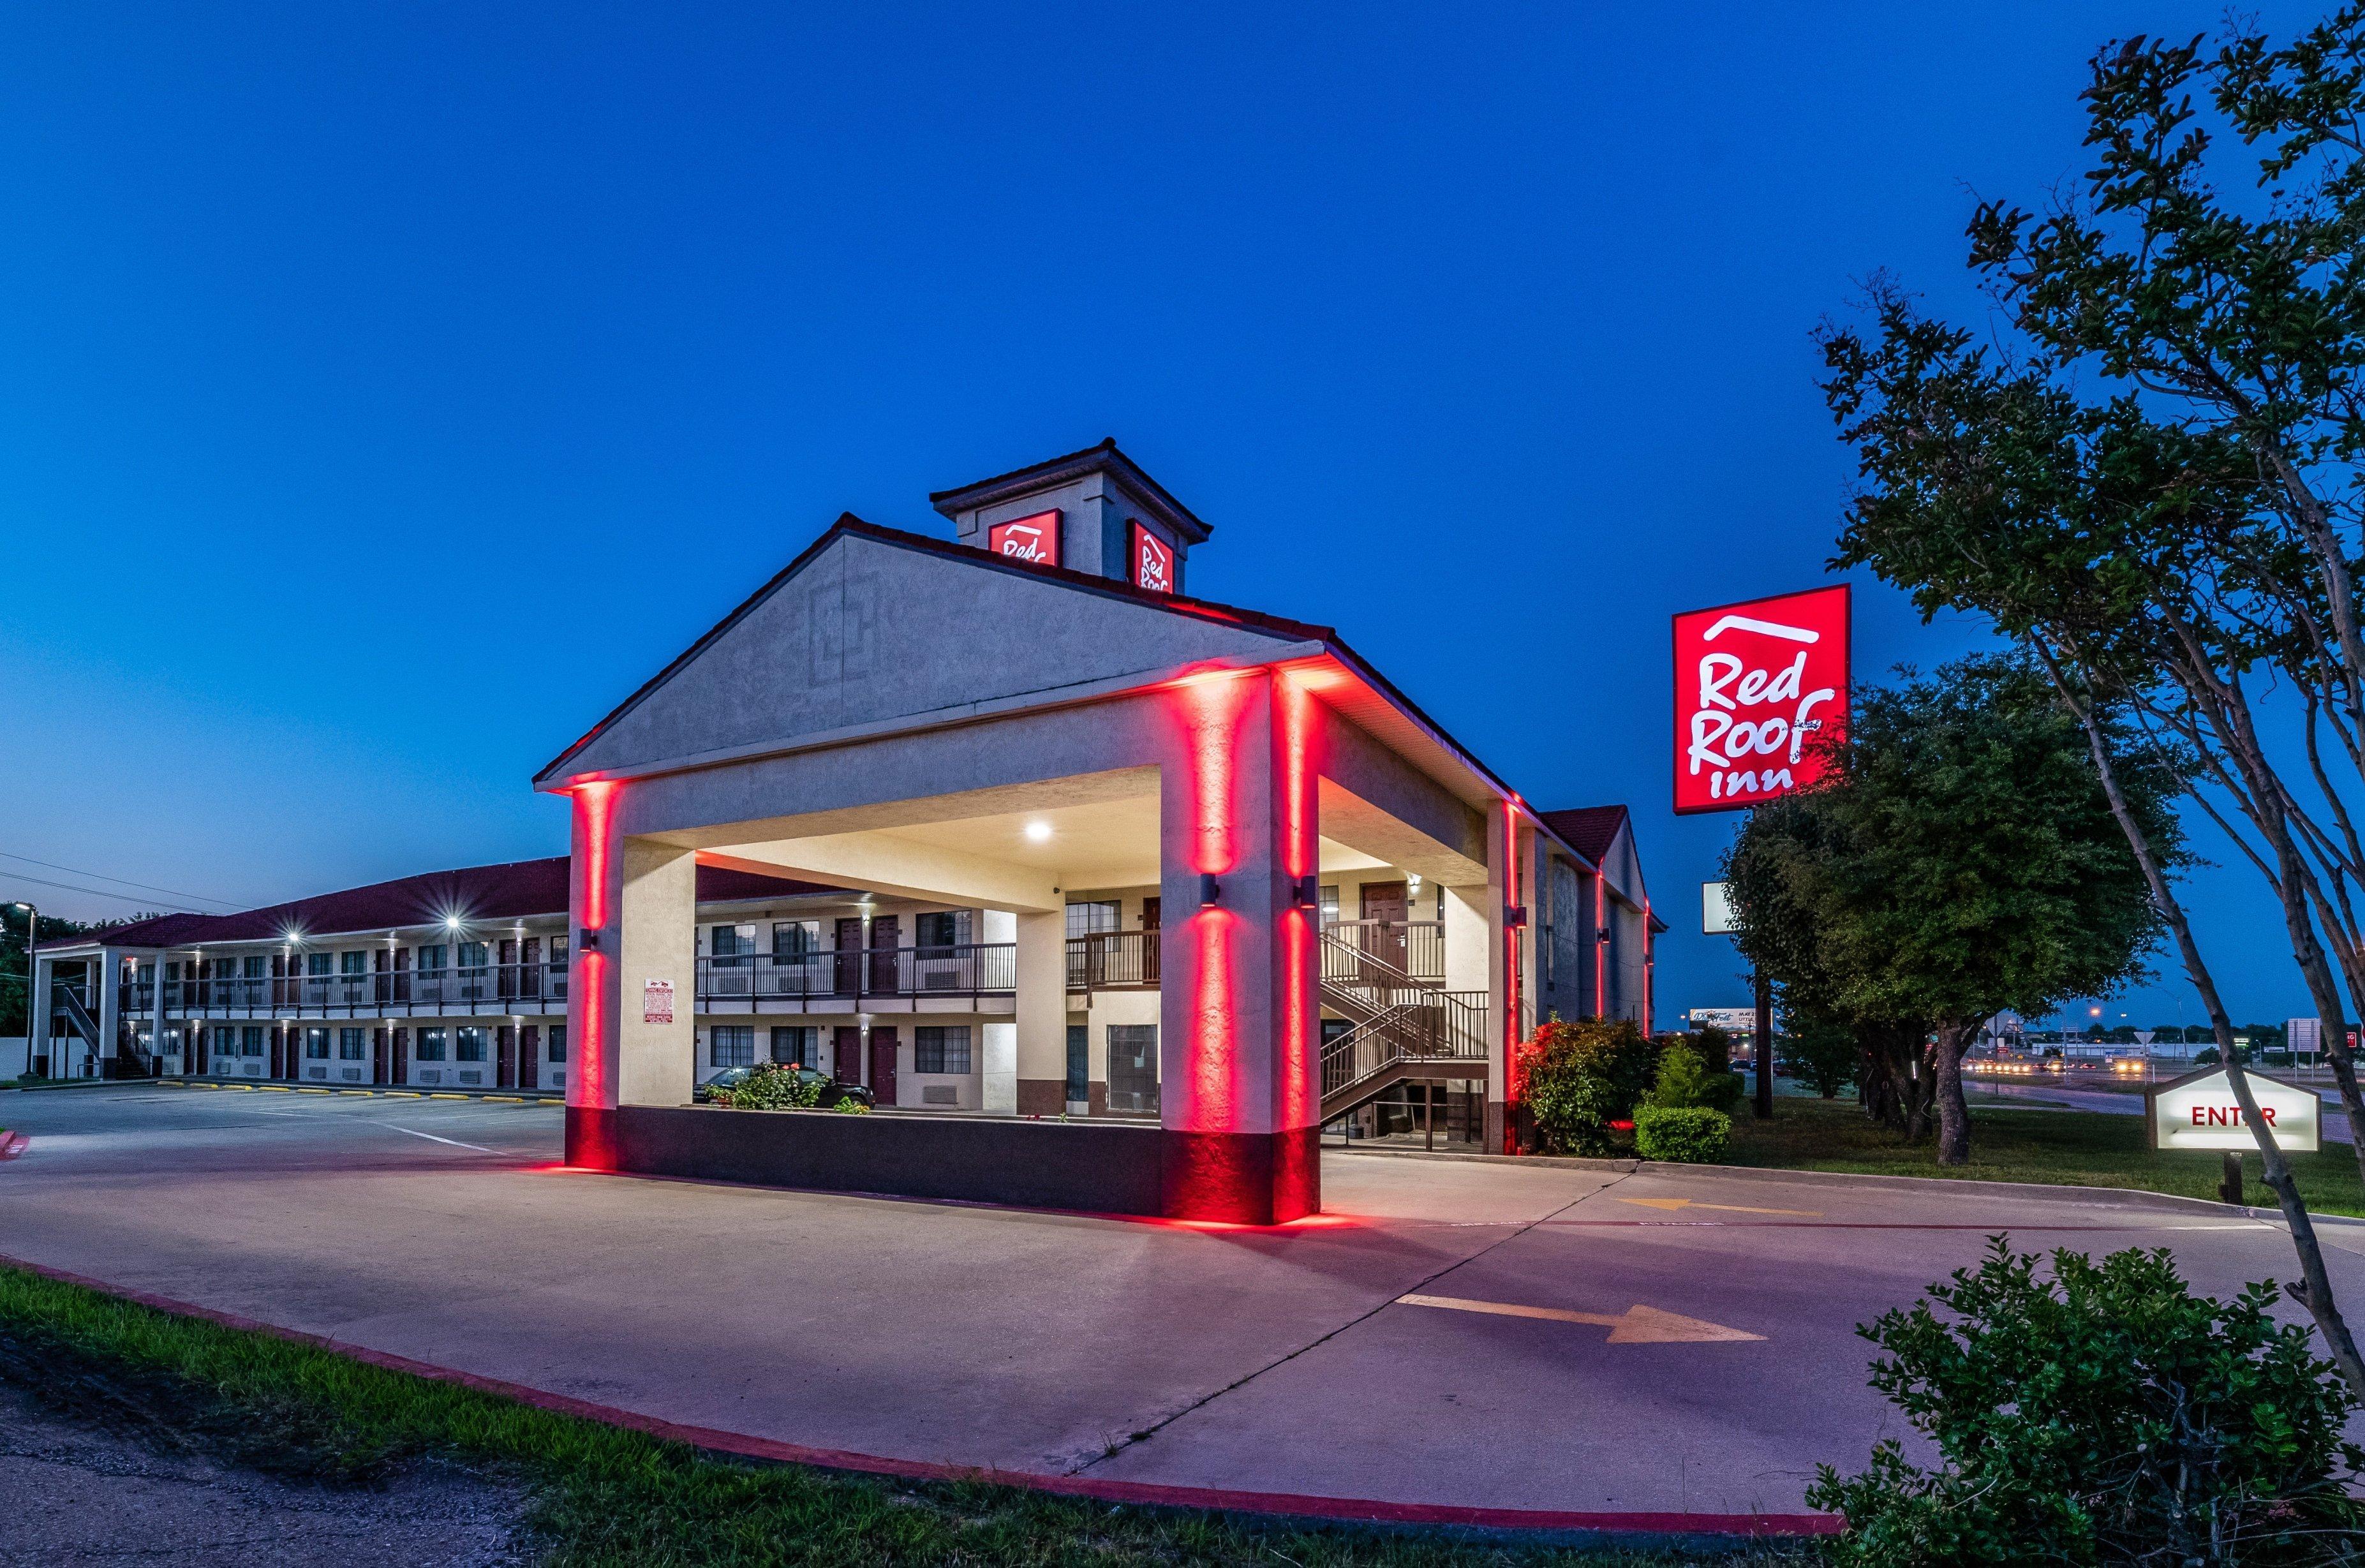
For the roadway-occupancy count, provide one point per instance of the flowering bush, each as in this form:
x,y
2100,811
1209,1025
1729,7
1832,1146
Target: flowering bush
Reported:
x,y
1578,1078
771,1086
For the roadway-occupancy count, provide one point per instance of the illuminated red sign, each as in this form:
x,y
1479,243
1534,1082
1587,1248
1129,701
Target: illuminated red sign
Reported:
x,y
1153,561
1759,687
1034,540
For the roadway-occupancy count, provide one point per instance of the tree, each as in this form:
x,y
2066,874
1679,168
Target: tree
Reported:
x,y
1821,1052
1963,860
2150,481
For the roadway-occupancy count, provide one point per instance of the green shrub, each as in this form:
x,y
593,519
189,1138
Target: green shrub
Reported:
x,y
852,1107
1819,1052
2205,1057
1693,1134
2104,1416
1686,1082
1577,1077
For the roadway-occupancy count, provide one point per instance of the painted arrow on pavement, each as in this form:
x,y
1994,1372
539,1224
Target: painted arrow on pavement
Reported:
x,y
1638,1324
1721,1208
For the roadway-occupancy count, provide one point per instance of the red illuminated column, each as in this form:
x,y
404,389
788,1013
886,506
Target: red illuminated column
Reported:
x,y
634,906
1238,1096
1510,932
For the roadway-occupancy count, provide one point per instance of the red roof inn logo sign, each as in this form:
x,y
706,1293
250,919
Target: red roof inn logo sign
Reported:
x,y
1757,686
1033,539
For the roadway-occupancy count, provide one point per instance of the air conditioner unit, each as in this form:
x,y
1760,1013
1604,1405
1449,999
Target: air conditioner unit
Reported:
x,y
941,979
940,1094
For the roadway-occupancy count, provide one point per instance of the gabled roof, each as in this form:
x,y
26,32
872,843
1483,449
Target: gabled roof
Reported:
x,y
1588,830
851,526
515,889
1103,459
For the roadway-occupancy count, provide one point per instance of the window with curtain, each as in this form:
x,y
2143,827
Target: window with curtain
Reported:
x,y
431,1045
1133,1067
470,1045
316,1045
558,1042
795,1044
795,938
352,1045
1088,917
732,1045
940,1047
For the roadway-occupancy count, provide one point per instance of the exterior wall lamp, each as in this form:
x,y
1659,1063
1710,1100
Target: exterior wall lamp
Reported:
x,y
1515,915
1210,889
1306,892
587,939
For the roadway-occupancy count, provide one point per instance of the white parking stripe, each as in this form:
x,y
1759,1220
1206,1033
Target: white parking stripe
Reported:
x,y
455,1143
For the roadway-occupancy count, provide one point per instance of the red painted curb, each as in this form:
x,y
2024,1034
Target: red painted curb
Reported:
x,y
12,1145
1353,1510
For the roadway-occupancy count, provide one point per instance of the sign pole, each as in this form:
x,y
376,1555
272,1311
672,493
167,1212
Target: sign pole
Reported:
x,y
1764,999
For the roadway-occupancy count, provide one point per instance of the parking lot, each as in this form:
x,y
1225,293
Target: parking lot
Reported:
x,y
1529,1336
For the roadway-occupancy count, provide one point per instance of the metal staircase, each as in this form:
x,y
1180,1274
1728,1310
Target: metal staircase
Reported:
x,y
68,1001
1403,1029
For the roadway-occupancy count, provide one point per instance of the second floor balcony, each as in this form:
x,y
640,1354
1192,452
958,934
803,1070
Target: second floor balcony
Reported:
x,y
480,989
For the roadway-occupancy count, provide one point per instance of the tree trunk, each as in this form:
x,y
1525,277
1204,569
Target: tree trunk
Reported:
x,y
2312,1290
1947,1089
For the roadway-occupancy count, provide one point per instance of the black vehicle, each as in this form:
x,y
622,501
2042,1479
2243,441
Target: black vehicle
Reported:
x,y
831,1090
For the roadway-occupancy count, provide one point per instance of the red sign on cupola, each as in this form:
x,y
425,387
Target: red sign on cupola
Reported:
x,y
1153,561
1034,540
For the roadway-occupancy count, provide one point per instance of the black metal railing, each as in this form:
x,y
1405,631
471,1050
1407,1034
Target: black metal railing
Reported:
x,y
1415,948
842,976
1109,961
476,988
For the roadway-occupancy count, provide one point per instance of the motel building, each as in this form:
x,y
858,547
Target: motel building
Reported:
x,y
1116,899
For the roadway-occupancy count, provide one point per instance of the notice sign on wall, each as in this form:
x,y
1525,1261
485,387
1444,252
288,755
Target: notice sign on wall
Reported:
x,y
656,1002
1153,561
1034,540
1759,686
2199,1112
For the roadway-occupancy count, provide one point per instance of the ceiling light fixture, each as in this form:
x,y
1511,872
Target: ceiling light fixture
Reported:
x,y
1038,832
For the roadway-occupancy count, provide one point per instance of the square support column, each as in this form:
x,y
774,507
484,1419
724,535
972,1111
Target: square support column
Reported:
x,y
1239,1100
109,987
1042,1013
40,1011
635,907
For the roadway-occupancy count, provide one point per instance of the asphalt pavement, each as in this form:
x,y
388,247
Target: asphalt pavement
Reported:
x,y
1529,1335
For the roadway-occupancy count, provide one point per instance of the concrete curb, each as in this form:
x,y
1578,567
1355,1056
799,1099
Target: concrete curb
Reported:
x,y
515,1097
1660,1529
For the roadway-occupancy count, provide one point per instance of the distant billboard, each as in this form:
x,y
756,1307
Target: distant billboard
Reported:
x,y
1759,686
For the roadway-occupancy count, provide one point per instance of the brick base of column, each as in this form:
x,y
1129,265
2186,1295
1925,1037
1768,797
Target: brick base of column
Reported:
x,y
1042,1096
591,1139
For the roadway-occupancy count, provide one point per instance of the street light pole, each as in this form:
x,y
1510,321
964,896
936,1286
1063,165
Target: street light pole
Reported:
x,y
1764,1000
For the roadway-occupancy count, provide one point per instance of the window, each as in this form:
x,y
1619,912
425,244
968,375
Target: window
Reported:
x,y
732,1045
1133,1067
1329,897
470,1046
1079,1075
320,964
431,1045
353,963
940,1047
558,952
1087,917
472,956
795,938
795,1044
250,1039
316,1045
734,945
948,929
254,966
431,959
352,1045
558,1042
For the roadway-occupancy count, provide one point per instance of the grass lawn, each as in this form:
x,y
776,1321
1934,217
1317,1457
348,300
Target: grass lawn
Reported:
x,y
2084,1149
609,1496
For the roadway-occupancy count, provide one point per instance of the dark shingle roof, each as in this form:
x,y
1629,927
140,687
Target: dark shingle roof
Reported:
x,y
512,891
1589,830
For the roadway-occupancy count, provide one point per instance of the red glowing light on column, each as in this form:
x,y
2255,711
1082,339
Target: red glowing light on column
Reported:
x,y
595,810
1513,1084
1601,946
1295,737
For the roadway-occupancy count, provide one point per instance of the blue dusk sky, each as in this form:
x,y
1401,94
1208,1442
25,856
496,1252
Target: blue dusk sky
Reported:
x,y
385,392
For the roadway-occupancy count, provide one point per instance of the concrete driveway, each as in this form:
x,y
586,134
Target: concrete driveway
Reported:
x,y
1457,1332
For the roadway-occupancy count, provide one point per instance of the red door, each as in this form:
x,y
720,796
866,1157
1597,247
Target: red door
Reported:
x,y
847,1068
505,1056
886,936
846,967
381,1070
883,1065
530,1050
